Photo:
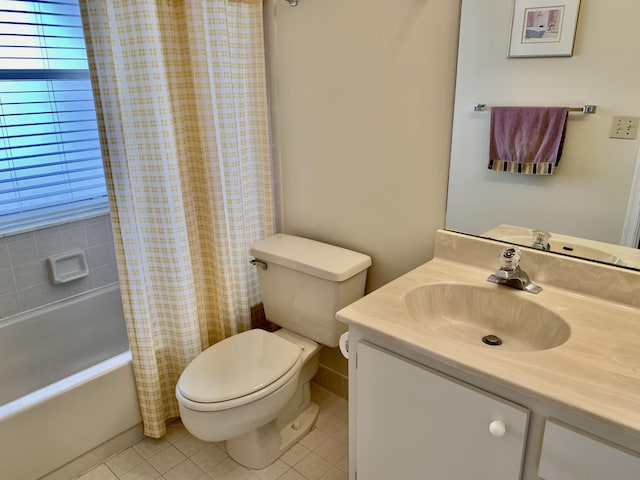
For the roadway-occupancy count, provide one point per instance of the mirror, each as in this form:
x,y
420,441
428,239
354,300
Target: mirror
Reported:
x,y
584,204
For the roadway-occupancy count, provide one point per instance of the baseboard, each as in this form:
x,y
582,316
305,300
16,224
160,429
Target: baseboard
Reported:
x,y
333,381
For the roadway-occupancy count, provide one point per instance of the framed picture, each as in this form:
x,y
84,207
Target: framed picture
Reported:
x,y
543,28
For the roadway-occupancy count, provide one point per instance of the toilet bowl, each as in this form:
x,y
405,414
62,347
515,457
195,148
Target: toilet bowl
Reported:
x,y
257,396
252,389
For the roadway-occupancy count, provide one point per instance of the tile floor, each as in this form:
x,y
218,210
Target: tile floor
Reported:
x,y
321,455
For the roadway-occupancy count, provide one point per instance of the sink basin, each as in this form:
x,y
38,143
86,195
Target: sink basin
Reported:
x,y
568,248
470,313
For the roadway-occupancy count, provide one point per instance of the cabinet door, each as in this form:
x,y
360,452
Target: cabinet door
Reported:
x,y
570,455
413,423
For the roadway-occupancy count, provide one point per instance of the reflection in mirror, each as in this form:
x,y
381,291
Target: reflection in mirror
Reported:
x,y
584,204
567,245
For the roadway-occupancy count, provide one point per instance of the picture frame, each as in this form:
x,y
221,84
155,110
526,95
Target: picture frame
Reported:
x,y
543,28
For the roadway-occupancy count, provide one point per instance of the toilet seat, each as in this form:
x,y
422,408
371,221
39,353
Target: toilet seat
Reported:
x,y
240,369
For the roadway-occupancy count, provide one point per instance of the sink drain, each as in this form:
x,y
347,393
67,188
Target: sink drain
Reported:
x,y
492,340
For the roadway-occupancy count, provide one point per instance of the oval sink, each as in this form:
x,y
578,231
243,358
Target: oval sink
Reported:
x,y
468,313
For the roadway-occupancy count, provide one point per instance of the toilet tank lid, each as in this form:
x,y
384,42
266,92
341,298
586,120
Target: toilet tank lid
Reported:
x,y
309,256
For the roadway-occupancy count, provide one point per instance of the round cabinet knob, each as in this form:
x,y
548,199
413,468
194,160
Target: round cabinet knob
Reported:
x,y
497,428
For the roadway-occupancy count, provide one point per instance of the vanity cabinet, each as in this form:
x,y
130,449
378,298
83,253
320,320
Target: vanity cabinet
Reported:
x,y
414,423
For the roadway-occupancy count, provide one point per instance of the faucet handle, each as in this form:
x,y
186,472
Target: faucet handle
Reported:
x,y
540,240
510,259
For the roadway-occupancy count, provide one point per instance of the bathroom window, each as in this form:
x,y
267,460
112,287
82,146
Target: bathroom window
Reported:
x,y
50,160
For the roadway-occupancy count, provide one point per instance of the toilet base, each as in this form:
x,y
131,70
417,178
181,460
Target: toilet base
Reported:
x,y
259,448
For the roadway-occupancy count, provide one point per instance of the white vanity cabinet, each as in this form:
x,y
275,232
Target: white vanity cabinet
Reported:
x,y
413,423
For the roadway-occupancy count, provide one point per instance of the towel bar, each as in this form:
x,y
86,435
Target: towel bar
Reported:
x,y
481,107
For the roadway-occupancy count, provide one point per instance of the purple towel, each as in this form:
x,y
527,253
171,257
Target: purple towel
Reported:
x,y
527,139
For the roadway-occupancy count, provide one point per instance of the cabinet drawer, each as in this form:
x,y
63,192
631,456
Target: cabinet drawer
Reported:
x,y
569,455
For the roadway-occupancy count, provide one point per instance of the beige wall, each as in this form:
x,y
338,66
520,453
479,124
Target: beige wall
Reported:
x,y
362,100
362,96
588,194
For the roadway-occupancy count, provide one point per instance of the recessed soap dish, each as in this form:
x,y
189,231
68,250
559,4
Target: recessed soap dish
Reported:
x,y
68,267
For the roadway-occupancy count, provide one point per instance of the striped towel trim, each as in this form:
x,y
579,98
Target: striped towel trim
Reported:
x,y
523,168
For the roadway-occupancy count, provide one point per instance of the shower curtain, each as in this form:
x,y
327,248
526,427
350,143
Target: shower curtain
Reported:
x,y
181,98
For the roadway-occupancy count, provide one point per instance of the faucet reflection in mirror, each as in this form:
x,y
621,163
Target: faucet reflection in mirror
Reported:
x,y
566,245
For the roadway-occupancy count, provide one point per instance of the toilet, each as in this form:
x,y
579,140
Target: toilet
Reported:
x,y
252,389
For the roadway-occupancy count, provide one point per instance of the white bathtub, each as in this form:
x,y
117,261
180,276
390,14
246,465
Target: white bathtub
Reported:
x,y
66,383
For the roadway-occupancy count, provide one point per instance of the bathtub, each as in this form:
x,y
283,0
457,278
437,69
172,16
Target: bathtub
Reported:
x,y
66,383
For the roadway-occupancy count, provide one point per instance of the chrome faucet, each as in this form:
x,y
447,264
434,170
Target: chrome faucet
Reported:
x,y
510,274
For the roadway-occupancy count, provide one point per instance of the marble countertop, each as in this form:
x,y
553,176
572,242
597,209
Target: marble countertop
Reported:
x,y
596,371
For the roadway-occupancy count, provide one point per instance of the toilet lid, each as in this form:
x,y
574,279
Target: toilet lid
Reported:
x,y
237,366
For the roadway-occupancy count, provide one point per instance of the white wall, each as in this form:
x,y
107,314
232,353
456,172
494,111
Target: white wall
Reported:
x,y
587,196
362,96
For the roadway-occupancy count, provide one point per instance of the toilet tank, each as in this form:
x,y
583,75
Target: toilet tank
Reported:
x,y
306,282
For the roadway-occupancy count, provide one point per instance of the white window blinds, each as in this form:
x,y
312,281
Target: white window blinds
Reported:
x,y
50,161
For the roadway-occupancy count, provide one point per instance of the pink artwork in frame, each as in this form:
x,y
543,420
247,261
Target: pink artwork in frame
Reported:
x,y
542,28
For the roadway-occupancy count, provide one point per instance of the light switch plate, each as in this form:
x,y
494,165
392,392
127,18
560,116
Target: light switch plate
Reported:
x,y
624,127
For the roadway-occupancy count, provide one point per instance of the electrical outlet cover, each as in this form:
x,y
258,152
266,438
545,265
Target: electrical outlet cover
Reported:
x,y
624,127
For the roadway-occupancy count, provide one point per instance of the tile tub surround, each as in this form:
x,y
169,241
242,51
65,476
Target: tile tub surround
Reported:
x,y
321,455
24,278
593,374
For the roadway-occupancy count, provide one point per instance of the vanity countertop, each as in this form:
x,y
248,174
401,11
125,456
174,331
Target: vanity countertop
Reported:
x,y
596,371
